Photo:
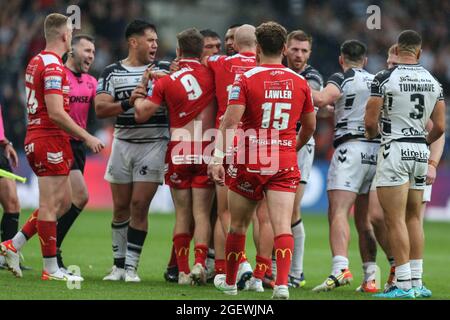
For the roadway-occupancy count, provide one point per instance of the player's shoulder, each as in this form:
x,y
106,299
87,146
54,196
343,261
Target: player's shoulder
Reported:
x,y
115,67
162,65
384,75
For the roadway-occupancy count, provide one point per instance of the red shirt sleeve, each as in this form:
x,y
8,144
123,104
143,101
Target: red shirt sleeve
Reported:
x,y
238,92
156,94
308,106
53,77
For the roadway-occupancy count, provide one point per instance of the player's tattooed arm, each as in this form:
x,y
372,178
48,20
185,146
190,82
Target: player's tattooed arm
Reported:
x,y
438,118
372,116
436,150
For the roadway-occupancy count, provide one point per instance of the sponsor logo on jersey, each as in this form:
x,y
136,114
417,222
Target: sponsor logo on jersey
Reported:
x,y
80,99
411,155
367,158
53,83
246,187
234,93
29,148
411,132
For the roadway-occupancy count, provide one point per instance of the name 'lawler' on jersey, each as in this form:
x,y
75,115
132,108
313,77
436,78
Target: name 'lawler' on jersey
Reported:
x,y
119,81
45,74
315,81
350,108
82,92
187,92
275,97
410,93
226,71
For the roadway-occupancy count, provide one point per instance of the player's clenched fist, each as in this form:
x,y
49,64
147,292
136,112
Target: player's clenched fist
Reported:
x,y
216,173
94,144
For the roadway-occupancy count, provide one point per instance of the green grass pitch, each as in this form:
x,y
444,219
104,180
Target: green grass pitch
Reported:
x,y
88,245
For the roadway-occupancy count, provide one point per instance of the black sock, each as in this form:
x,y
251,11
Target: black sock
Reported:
x,y
9,225
296,223
64,224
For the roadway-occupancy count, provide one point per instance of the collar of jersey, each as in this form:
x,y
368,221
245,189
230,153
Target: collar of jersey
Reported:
x,y
52,53
247,54
189,61
267,65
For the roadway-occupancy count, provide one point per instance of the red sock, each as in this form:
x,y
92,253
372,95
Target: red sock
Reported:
x,y
201,251
234,250
284,245
47,235
262,265
182,242
29,229
173,257
219,266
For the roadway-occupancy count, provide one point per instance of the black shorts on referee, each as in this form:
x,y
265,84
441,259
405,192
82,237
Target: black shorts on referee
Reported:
x,y
79,155
4,162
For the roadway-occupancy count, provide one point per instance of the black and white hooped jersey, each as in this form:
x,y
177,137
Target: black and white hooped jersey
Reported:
x,y
350,108
315,82
119,81
410,93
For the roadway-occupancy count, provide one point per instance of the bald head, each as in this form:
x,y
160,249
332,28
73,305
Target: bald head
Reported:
x,y
245,38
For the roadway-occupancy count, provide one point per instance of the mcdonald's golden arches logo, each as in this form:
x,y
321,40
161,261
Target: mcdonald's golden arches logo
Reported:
x,y
283,252
237,255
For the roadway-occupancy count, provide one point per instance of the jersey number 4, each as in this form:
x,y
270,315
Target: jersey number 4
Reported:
x,y
32,103
280,119
191,86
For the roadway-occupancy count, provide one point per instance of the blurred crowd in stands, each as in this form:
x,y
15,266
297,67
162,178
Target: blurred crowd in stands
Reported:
x,y
329,21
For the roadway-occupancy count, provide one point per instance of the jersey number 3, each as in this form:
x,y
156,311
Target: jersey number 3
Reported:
x,y
419,106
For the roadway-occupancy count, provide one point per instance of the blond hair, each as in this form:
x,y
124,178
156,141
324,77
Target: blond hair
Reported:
x,y
53,25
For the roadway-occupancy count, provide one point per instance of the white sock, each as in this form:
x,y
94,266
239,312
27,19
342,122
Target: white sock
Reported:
x,y
339,263
370,270
119,242
19,240
298,231
416,272
51,265
403,276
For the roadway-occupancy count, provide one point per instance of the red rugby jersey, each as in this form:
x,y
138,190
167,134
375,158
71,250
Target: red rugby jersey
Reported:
x,y
45,74
226,71
186,92
274,98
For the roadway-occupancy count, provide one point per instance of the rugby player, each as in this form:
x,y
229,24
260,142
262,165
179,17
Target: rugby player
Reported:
x,y
48,148
189,97
406,96
353,165
229,39
299,45
213,44
136,165
81,99
8,192
270,99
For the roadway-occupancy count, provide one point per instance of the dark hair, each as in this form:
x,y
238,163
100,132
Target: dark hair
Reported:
x,y
138,27
208,33
353,50
271,37
299,35
190,42
409,40
77,38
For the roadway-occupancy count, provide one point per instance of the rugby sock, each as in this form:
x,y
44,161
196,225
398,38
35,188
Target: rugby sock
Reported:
x,y
391,261
201,251
47,237
298,231
403,276
284,245
274,265
9,225
416,272
29,229
370,270
182,242
234,250
119,242
65,222
339,263
173,258
135,243
19,240
262,265
219,266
